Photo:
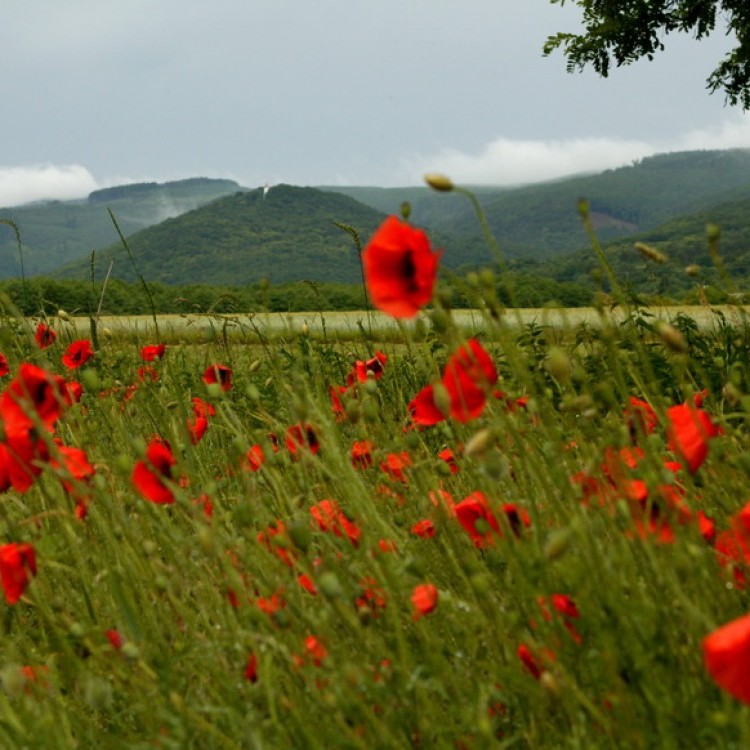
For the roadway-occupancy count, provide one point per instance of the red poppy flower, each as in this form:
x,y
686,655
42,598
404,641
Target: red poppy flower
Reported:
x,y
361,454
529,661
689,431
372,600
301,437
74,465
22,457
254,458
271,604
196,429
336,391
395,464
449,457
202,408
315,651
359,372
149,476
330,517
44,336
424,598
152,352
77,354
33,392
251,669
147,374
726,654
307,584
4,366
641,418
733,547
115,638
475,516
75,391
276,540
17,561
423,410
424,529
468,376
218,374
517,517
400,268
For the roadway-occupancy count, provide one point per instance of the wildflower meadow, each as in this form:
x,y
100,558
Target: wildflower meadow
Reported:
x,y
496,536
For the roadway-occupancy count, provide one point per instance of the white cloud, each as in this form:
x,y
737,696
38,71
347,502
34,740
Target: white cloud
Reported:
x,y
44,182
505,161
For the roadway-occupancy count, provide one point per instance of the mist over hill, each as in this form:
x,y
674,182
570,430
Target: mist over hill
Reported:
x,y
204,231
56,232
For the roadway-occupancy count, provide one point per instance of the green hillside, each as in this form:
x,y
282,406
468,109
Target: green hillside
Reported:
x,y
56,232
683,241
541,220
287,235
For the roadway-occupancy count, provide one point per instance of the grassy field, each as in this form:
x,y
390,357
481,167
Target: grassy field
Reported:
x,y
520,540
350,325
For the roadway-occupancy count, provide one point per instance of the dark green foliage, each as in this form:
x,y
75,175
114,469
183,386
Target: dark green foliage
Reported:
x,y
684,241
619,33
287,235
541,220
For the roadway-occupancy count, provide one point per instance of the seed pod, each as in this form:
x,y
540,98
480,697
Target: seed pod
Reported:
x,y
672,338
441,398
650,252
439,182
479,443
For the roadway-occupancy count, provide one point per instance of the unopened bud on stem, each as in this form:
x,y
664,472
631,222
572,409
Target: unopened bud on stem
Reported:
x,y
439,182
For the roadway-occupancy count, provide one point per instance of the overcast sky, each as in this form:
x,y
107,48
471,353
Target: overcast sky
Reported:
x,y
322,92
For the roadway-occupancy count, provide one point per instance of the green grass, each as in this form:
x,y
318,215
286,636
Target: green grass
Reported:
x,y
161,575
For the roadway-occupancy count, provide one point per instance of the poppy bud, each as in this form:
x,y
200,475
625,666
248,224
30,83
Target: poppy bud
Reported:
x,y
672,338
439,182
330,585
479,443
549,682
557,544
63,315
441,398
558,364
353,412
370,410
650,252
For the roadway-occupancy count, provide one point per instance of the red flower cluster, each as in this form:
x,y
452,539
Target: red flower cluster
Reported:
x,y
479,521
467,379
359,373
329,517
34,400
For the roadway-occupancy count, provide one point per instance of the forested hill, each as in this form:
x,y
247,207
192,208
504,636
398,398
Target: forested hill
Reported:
x,y
541,220
684,242
57,232
289,234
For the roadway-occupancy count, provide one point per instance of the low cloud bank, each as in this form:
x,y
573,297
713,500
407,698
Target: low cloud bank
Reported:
x,y
505,161
25,184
